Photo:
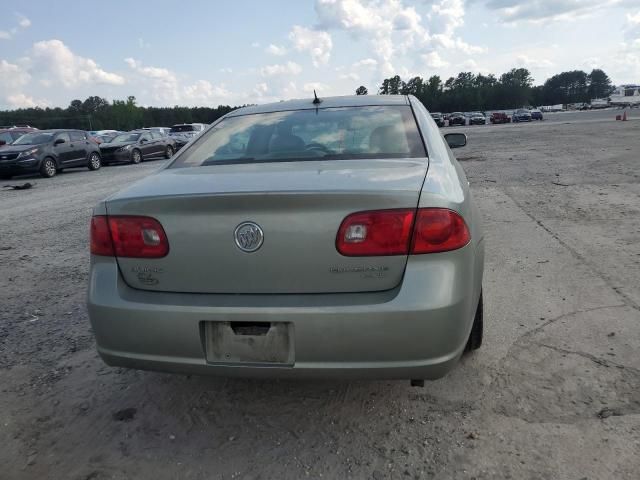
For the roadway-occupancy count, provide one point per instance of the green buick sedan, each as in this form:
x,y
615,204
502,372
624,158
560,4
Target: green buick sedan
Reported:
x,y
321,237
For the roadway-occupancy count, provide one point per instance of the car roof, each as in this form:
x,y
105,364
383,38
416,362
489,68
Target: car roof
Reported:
x,y
325,102
18,129
58,130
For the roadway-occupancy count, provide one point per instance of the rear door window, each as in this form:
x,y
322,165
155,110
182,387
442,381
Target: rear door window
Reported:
x,y
322,134
76,136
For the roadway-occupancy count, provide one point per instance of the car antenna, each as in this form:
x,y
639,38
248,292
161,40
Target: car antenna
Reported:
x,y
316,100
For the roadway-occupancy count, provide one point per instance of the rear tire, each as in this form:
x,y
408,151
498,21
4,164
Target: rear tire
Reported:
x,y
475,337
94,161
136,156
48,168
168,153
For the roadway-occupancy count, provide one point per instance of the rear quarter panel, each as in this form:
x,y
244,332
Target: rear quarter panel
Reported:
x,y
446,186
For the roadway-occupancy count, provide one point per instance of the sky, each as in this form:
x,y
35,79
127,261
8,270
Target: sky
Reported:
x,y
210,53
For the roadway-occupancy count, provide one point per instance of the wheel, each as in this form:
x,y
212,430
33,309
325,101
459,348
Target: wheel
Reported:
x,y
48,168
136,156
475,337
5,177
94,161
168,153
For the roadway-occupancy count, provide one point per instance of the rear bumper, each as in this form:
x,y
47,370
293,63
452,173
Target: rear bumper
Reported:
x,y
417,330
123,156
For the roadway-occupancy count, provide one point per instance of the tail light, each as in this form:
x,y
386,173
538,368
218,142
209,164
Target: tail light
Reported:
x,y
128,236
438,230
401,232
101,243
382,232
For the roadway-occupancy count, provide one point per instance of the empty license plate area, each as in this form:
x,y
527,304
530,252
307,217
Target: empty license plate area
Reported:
x,y
259,343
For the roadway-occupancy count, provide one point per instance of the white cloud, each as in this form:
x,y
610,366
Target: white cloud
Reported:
x,y
316,42
289,68
394,29
58,62
537,11
366,62
632,32
165,87
204,92
433,60
155,73
23,21
447,16
226,70
450,43
261,89
317,86
525,61
12,76
349,76
276,50
20,100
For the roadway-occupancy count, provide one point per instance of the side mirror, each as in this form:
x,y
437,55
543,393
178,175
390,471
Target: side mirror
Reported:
x,y
143,140
456,140
59,141
2,142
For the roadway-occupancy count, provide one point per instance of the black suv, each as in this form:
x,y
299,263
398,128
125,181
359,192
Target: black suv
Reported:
x,y
136,146
457,118
48,152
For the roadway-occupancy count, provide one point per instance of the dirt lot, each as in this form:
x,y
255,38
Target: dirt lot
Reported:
x,y
554,392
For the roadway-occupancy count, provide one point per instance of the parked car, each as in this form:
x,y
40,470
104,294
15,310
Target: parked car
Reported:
x,y
10,135
161,130
521,115
457,118
107,137
184,132
499,117
536,114
437,117
252,253
477,118
137,146
48,152
8,127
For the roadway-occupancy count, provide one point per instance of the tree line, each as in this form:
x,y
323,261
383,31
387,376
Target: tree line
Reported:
x,y
465,92
96,113
468,91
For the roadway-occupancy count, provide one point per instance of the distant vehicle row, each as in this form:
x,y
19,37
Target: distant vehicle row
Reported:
x,y
25,150
479,118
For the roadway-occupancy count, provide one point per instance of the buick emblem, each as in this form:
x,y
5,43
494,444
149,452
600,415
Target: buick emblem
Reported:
x,y
248,236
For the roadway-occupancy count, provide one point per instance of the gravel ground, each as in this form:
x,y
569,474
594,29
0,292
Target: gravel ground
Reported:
x,y
553,393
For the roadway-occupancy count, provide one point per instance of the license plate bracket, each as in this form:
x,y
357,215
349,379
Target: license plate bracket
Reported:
x,y
262,343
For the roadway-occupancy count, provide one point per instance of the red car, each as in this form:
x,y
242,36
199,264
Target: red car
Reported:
x,y
499,117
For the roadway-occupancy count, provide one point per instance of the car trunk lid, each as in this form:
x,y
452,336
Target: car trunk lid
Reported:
x,y
299,207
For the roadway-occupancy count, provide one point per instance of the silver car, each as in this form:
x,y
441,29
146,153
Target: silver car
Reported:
x,y
335,237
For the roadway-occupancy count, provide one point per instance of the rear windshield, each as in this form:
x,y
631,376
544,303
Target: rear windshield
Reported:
x,y
182,128
323,134
126,137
